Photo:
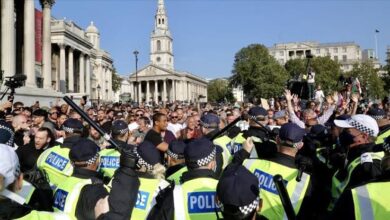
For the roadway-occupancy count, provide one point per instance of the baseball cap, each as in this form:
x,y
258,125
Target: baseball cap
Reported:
x,y
363,123
9,164
376,113
84,150
148,155
239,188
291,132
199,152
280,114
72,125
210,121
257,111
176,149
6,133
119,127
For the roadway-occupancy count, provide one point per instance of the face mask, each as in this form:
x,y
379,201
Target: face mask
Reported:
x,y
346,139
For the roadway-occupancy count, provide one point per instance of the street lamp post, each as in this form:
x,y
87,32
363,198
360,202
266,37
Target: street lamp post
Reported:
x,y
98,90
136,75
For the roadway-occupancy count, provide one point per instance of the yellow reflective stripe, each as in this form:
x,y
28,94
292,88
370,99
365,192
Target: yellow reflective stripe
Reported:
x,y
364,203
178,200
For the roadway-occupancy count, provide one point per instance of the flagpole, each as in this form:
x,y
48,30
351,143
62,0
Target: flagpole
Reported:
x,y
376,45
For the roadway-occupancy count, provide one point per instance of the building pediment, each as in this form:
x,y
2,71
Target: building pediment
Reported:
x,y
154,71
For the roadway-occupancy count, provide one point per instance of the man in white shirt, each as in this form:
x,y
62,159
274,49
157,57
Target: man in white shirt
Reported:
x,y
311,82
173,125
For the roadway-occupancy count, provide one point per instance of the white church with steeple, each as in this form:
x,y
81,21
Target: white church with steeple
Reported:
x,y
159,82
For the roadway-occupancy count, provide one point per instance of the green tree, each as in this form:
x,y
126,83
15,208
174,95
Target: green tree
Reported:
x,y
327,71
260,75
116,81
218,90
369,79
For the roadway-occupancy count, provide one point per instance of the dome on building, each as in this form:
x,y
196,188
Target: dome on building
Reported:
x,y
92,28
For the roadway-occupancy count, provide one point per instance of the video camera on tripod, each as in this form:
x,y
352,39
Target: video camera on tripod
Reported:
x,y
12,83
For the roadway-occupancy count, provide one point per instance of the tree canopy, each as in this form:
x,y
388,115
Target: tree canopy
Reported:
x,y
260,75
327,71
116,81
369,79
219,91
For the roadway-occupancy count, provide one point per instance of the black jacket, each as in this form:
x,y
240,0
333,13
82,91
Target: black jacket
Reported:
x,y
11,210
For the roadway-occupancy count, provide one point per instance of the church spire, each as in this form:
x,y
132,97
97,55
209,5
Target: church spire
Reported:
x,y
161,53
161,18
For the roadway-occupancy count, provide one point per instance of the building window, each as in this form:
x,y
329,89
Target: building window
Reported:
x,y
318,51
163,21
344,58
335,50
344,49
281,53
159,21
158,45
158,59
335,58
327,50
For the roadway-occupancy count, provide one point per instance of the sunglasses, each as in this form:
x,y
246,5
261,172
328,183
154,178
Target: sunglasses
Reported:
x,y
139,115
52,113
174,117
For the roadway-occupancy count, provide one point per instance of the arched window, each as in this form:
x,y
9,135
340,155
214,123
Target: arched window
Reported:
x,y
163,21
158,45
159,21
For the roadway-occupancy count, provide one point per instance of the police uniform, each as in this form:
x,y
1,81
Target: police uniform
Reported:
x,y
238,193
363,163
54,162
148,156
109,157
265,146
176,151
79,193
265,169
12,205
367,201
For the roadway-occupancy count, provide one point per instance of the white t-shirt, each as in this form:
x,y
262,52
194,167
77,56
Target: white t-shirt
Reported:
x,y
319,95
310,77
174,128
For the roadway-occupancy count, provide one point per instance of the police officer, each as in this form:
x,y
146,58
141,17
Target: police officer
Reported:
x,y
55,161
238,194
289,141
265,145
210,126
151,175
176,162
79,194
383,122
109,157
12,205
361,163
370,200
195,198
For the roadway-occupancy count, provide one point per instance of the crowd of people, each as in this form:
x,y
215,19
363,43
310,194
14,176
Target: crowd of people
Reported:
x,y
197,161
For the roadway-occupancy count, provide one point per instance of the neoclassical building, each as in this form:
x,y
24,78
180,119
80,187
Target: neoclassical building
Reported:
x,y
57,56
159,81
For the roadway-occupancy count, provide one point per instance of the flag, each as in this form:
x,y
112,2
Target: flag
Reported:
x,y
376,31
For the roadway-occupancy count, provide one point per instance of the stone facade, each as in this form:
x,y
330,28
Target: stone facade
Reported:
x,y
346,53
72,62
159,81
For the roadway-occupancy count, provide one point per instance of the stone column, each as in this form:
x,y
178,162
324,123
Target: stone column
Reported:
x,y
29,43
81,73
46,39
70,71
174,90
62,81
8,46
164,98
88,75
156,91
147,91
139,92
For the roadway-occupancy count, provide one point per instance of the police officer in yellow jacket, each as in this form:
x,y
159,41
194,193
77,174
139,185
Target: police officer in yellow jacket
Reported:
x,y
176,162
12,205
79,194
362,163
370,200
289,142
151,175
54,162
109,157
195,197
